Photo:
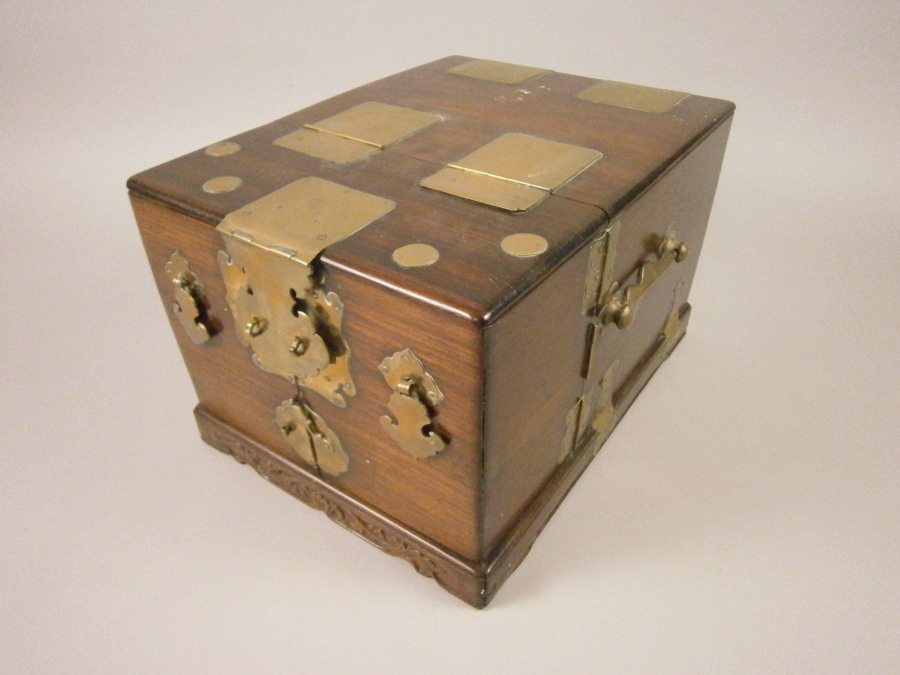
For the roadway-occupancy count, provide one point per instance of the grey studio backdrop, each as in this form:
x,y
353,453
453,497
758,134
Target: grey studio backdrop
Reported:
x,y
742,518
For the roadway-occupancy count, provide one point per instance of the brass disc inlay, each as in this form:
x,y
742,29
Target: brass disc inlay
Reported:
x,y
220,184
416,255
524,245
222,149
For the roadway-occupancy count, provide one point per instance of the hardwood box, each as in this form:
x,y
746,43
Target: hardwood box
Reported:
x,y
421,306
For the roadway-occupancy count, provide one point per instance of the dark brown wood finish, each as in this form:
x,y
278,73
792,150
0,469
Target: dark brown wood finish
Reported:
x,y
503,336
436,497
527,397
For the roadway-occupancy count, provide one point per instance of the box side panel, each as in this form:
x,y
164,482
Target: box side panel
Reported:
x,y
543,355
679,204
438,496
534,354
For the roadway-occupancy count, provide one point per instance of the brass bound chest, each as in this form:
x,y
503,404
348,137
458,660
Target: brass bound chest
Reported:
x,y
423,305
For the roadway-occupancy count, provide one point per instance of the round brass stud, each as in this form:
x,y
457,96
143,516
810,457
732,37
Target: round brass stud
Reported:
x,y
524,245
416,255
222,184
222,149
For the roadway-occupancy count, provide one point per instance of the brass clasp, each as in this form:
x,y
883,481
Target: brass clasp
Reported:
x,y
275,290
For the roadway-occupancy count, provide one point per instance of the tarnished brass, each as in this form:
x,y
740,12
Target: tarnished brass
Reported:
x,y
599,277
571,434
524,245
302,218
358,132
221,184
415,394
673,320
513,172
485,189
633,96
604,412
310,437
222,149
416,255
496,71
622,303
188,304
280,308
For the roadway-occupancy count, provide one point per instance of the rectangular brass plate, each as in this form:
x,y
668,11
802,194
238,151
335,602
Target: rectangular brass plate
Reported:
x,y
496,71
633,96
358,132
513,172
302,218
326,146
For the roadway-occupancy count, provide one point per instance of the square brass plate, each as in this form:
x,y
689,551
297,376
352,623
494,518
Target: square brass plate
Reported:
x,y
634,96
302,218
496,71
358,132
513,172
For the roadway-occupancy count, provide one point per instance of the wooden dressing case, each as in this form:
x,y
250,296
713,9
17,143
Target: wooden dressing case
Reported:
x,y
423,305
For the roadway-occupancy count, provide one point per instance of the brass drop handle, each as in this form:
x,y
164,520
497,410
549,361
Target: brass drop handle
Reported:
x,y
621,306
414,395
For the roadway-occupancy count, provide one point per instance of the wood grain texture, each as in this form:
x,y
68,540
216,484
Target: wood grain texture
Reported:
x,y
438,496
534,349
503,336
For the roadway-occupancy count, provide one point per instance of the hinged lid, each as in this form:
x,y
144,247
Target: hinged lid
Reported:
x,y
459,162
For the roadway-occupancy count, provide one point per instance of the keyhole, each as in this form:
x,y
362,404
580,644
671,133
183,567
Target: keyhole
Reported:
x,y
300,305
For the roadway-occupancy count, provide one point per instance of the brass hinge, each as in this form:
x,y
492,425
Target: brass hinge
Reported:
x,y
358,132
633,96
513,172
496,71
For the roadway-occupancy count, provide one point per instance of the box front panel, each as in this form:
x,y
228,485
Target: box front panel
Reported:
x,y
437,495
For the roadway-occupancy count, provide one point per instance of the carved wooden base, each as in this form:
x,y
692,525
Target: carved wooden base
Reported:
x,y
476,582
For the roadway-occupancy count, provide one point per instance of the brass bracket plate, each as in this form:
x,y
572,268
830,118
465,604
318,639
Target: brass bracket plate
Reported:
x,y
513,172
415,394
601,262
310,437
633,96
358,132
496,71
188,304
280,308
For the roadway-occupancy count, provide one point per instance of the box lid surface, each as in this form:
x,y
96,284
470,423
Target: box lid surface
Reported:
x,y
501,171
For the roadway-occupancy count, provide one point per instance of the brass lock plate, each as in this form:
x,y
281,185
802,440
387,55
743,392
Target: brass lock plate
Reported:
x,y
311,438
358,132
279,305
513,172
